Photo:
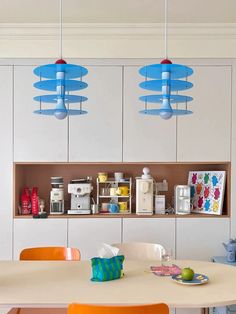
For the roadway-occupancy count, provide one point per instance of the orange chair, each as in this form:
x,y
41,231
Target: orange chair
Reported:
x,y
50,254
46,254
102,309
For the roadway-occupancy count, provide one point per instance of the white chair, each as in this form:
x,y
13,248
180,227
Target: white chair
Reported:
x,y
140,251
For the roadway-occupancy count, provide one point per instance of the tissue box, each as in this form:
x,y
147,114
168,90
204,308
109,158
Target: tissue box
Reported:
x,y
104,269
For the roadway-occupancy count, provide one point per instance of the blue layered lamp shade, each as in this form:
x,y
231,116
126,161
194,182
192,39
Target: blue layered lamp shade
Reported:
x,y
60,79
165,78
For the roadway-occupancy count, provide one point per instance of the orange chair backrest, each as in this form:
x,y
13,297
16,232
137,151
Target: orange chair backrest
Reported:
x,y
102,309
50,254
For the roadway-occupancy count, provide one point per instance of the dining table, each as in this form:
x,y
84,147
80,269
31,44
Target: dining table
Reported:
x,y
59,283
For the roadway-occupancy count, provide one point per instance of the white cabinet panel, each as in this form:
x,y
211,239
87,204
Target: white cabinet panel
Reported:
x,y
233,155
6,157
146,138
153,230
39,232
97,136
36,137
205,135
87,234
201,238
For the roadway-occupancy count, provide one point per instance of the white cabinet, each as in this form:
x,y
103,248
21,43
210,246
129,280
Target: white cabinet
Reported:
x,y
233,155
145,138
39,232
205,135
36,137
97,136
6,157
161,231
201,238
87,234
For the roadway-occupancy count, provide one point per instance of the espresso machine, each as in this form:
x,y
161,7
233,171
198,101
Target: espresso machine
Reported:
x,y
57,196
144,193
80,191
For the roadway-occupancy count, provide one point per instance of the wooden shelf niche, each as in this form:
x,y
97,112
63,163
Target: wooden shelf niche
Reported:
x,y
39,174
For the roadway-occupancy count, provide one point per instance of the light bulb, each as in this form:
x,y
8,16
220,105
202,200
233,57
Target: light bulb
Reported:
x,y
60,114
60,110
166,114
166,110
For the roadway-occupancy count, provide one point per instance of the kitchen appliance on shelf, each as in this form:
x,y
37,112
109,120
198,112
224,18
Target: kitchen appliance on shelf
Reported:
x,y
182,199
80,191
144,193
57,196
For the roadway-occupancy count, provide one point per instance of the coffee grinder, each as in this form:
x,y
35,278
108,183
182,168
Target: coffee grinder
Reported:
x,y
57,196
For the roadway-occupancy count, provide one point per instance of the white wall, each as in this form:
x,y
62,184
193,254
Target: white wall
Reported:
x,y
112,40
6,158
233,155
6,127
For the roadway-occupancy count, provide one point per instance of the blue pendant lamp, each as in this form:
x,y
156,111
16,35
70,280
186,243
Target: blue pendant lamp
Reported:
x,y
166,78
60,79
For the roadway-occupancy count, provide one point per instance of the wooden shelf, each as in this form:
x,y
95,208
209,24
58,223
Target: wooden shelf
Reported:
x,y
39,174
124,216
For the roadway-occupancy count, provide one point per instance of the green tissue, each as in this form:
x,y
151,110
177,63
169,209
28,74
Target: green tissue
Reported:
x,y
105,269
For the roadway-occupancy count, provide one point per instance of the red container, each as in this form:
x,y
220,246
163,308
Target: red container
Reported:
x,y
35,201
25,202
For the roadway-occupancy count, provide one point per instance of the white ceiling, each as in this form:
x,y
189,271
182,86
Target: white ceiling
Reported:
x,y
118,11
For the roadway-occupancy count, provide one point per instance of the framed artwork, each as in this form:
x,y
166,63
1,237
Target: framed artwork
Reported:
x,y
207,191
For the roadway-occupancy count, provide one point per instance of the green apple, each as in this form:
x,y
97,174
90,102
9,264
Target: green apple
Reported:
x,y
187,273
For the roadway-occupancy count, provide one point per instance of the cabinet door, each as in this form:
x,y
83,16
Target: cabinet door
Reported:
x,y
233,156
146,138
6,157
97,136
87,234
205,135
201,238
36,137
154,230
38,232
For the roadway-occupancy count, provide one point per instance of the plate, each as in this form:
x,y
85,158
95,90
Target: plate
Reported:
x,y
198,279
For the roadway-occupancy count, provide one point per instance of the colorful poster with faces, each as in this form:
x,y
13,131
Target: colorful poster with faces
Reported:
x,y
207,191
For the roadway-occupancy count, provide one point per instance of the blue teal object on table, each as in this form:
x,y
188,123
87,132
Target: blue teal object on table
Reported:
x,y
231,250
222,260
105,269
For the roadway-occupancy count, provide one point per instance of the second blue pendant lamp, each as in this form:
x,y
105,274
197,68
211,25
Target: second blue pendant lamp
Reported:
x,y
166,78
60,79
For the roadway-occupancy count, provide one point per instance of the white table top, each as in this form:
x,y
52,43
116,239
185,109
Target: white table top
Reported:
x,y
45,284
